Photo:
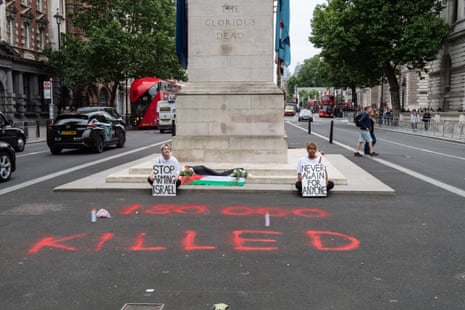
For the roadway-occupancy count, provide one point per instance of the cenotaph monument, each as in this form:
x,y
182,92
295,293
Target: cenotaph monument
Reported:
x,y
230,110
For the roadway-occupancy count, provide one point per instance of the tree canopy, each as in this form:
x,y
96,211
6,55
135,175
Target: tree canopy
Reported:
x,y
121,38
372,39
311,74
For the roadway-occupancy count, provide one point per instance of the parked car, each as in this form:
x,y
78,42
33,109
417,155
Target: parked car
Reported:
x,y
109,110
289,110
7,161
305,115
91,130
12,135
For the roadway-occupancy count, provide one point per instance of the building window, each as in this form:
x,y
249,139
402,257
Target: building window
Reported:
x,y
39,5
10,32
27,35
26,3
455,11
40,40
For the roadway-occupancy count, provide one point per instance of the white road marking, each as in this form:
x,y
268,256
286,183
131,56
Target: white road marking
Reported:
x,y
424,150
30,154
60,173
421,177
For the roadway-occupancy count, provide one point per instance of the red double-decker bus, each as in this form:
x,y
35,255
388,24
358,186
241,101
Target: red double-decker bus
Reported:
x,y
145,93
327,105
313,105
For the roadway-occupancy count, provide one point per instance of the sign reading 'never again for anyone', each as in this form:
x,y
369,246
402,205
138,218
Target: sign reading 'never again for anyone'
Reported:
x,y
163,183
314,181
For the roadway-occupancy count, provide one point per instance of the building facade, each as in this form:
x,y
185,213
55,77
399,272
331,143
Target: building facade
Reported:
x,y
447,72
27,28
24,34
442,88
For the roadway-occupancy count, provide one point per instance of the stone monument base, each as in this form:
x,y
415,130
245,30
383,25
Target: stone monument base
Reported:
x,y
230,122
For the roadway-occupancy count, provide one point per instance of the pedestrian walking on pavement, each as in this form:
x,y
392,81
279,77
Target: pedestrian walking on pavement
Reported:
x,y
414,119
364,136
313,157
372,134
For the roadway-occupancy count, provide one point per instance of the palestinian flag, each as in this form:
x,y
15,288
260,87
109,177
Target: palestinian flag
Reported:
x,y
201,175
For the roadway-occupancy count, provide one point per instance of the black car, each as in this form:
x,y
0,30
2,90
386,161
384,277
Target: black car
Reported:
x,y
109,110
7,161
92,130
12,135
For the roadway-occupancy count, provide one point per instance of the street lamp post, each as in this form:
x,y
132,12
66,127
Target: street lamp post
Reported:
x,y
59,19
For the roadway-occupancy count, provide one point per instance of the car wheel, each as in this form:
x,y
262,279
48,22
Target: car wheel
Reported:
x,y
20,144
5,167
98,147
55,150
121,138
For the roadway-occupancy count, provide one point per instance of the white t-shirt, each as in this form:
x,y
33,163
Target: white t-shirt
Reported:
x,y
308,161
171,161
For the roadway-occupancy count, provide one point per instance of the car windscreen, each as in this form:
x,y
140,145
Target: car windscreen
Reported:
x,y
3,121
78,119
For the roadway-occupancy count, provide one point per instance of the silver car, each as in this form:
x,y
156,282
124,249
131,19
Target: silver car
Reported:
x,y
305,115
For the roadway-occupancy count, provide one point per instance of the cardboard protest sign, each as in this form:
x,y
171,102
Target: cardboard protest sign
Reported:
x,y
314,181
163,183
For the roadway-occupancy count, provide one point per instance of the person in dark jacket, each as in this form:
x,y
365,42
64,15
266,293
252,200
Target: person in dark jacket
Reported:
x,y
365,136
427,119
372,134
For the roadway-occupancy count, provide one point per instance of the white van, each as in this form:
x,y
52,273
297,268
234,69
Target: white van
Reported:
x,y
166,115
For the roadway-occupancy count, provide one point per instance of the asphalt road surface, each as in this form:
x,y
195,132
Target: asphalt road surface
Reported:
x,y
201,248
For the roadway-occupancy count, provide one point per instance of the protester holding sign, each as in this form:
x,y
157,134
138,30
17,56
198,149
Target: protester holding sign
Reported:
x,y
313,164
166,159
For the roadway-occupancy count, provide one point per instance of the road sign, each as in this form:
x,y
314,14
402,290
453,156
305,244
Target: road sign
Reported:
x,y
47,90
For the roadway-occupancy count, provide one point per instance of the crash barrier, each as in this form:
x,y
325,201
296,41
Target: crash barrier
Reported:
x,y
449,129
31,128
443,129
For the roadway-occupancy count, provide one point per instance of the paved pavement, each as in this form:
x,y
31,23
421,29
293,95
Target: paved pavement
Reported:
x,y
349,178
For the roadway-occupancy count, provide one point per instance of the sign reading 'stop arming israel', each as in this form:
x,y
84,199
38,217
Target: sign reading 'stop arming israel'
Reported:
x,y
164,180
314,181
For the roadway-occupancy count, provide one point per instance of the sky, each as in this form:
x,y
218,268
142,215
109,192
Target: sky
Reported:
x,y
301,14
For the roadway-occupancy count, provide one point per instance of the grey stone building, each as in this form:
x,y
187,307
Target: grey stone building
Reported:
x,y
442,88
447,73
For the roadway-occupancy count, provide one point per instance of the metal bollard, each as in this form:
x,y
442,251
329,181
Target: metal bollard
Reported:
x,y
38,129
173,131
26,129
331,132
309,127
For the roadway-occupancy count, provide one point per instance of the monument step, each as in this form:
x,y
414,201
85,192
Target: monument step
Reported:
x,y
253,179
251,171
133,178
258,173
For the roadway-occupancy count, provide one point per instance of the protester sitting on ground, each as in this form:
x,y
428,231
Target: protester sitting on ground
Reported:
x,y
365,136
166,158
313,157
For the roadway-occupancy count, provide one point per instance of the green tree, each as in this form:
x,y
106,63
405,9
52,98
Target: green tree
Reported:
x,y
311,74
122,38
372,38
